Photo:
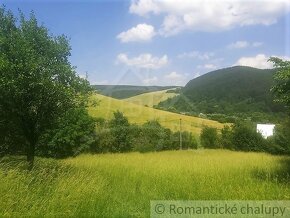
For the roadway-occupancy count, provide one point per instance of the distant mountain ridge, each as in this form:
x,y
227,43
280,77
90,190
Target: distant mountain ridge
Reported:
x,y
127,91
228,91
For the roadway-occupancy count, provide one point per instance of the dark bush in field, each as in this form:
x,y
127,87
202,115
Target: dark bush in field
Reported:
x,y
120,131
209,138
246,138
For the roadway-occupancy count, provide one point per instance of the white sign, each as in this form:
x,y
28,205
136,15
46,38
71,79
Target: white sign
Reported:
x,y
266,130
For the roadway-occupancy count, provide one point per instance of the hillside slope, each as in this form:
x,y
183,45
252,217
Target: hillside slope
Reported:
x,y
140,114
127,91
228,91
150,99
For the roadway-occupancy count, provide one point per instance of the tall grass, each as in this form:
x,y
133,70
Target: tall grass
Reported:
x,y
122,185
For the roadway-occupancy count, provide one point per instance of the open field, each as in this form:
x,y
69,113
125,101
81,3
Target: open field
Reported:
x,y
122,185
150,99
140,114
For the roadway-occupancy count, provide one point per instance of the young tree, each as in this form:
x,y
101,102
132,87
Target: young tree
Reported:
x,y
282,80
209,137
120,130
37,82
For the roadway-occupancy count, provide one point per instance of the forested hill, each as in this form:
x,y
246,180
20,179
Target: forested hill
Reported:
x,y
231,90
127,91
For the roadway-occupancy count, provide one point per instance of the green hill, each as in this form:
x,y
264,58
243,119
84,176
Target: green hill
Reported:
x,y
139,114
127,91
230,91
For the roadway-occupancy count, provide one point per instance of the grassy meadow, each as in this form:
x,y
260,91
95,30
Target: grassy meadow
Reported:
x,y
122,185
140,114
150,99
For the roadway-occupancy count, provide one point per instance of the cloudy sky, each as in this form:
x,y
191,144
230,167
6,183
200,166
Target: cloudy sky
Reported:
x,y
164,42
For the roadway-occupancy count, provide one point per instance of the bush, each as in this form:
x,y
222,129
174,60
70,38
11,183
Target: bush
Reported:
x,y
120,130
188,141
246,138
153,137
226,139
209,138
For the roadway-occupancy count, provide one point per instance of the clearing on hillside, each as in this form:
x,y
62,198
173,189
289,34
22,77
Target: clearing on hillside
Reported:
x,y
152,98
140,114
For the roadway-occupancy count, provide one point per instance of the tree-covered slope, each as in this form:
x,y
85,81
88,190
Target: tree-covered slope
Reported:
x,y
127,91
227,91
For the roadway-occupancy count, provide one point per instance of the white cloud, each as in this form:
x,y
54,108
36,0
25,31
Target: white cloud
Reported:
x,y
257,44
197,54
175,78
210,15
258,61
146,61
207,66
150,81
243,44
142,32
239,44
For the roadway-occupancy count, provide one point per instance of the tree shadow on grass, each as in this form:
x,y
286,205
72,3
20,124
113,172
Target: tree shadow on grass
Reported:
x,y
281,175
13,162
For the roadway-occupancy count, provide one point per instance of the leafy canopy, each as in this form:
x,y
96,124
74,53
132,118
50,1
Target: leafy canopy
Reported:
x,y
37,82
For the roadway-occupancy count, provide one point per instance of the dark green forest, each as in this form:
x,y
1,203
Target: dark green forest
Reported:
x,y
227,94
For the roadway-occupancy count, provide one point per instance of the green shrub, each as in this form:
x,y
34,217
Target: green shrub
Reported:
x,y
120,130
226,139
209,138
246,138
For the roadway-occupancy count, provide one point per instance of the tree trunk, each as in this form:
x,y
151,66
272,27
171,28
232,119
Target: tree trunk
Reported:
x,y
30,155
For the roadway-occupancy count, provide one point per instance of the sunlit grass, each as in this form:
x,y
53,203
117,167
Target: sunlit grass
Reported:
x,y
150,99
122,185
140,114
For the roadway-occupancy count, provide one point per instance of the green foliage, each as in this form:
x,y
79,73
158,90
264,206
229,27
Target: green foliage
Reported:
x,y
228,93
281,87
37,83
209,138
281,139
73,134
153,137
246,138
226,139
120,131
118,135
188,140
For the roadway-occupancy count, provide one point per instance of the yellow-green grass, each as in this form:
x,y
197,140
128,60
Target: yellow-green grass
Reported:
x,y
150,99
122,185
140,114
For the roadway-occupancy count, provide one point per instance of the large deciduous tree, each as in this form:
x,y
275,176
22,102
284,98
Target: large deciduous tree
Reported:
x,y
37,82
281,87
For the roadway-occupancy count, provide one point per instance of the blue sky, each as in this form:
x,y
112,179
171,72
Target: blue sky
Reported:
x,y
153,42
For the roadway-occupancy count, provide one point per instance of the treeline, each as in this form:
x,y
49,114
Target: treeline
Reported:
x,y
118,135
77,133
242,136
